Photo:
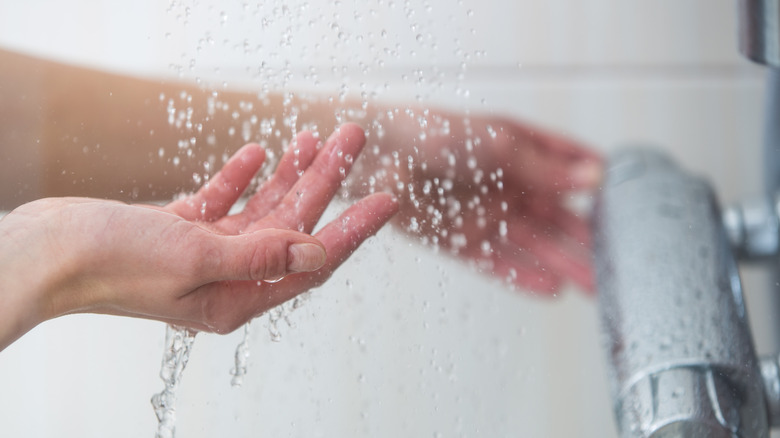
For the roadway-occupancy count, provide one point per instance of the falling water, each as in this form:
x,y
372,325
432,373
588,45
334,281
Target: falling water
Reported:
x,y
272,56
178,344
241,356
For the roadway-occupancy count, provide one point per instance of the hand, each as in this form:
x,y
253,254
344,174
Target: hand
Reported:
x,y
494,192
188,263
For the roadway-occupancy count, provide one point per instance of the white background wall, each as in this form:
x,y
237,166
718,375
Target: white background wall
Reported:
x,y
400,342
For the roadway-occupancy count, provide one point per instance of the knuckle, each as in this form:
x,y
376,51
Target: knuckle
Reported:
x,y
269,261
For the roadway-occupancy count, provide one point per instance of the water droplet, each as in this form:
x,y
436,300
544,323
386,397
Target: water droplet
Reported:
x,y
502,228
427,187
413,225
274,280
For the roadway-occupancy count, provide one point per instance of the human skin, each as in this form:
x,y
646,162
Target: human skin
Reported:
x,y
188,263
505,209
505,184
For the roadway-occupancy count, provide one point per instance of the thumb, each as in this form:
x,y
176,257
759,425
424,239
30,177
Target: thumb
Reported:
x,y
267,254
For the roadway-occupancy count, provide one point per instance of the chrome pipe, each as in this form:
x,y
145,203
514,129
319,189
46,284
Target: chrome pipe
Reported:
x,y
759,30
771,160
772,132
753,228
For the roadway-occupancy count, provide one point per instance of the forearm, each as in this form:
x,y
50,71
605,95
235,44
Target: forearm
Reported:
x,y
68,130
75,131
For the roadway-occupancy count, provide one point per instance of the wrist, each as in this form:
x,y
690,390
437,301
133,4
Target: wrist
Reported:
x,y
28,276
18,292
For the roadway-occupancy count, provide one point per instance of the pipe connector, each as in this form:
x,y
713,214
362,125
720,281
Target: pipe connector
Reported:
x,y
753,227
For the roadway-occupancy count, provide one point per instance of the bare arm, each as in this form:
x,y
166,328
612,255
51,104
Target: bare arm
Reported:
x,y
188,263
488,189
85,132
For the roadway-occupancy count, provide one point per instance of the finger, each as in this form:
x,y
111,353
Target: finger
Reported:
x,y
515,265
225,306
218,195
303,205
262,255
522,270
234,271
564,146
218,276
294,162
571,225
341,238
553,253
532,169
574,228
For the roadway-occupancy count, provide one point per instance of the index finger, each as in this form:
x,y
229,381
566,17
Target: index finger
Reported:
x,y
217,196
302,206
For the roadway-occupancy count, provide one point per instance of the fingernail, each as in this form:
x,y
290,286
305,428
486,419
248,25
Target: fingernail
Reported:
x,y
586,174
305,257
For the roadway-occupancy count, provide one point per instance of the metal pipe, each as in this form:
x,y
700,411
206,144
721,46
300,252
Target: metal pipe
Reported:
x,y
772,132
753,228
759,30
682,361
770,372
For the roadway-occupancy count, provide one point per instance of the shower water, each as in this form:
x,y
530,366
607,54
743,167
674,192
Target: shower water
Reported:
x,y
360,41
178,344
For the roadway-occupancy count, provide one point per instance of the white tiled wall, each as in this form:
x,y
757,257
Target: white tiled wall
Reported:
x,y
419,347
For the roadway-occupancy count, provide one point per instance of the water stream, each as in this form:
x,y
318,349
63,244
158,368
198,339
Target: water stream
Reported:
x,y
178,345
374,47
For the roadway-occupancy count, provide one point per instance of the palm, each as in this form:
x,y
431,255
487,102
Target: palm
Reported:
x,y
294,198
500,203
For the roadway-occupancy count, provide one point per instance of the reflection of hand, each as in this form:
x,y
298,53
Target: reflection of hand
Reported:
x,y
496,197
188,263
